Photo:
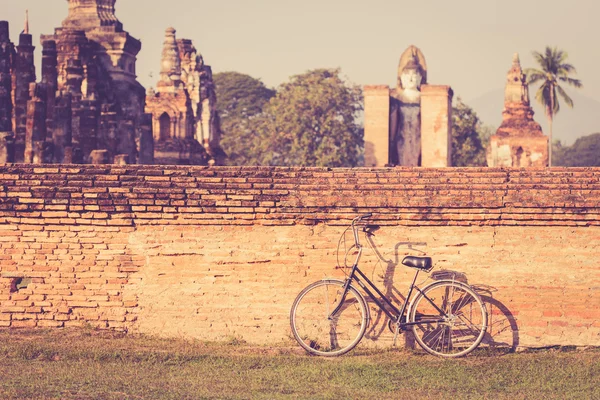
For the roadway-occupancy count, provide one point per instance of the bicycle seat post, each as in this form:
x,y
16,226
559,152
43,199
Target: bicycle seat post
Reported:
x,y
355,232
355,222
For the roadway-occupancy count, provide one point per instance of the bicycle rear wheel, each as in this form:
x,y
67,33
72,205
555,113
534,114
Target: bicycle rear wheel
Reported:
x,y
450,319
321,333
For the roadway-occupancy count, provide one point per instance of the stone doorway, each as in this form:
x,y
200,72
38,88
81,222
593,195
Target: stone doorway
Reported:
x,y
165,126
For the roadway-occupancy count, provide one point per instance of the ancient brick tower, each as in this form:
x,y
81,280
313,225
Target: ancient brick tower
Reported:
x,y
23,76
7,54
88,106
183,107
96,84
519,141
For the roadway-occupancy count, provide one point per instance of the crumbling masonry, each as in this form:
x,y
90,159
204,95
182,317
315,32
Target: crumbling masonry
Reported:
x,y
88,106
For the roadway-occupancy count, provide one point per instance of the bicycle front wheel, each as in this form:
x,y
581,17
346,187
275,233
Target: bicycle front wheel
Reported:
x,y
317,330
449,319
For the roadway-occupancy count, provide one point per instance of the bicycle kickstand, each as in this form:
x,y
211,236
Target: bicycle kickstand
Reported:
x,y
396,332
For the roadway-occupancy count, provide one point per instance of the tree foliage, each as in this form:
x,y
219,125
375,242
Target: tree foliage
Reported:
x,y
554,70
240,98
240,95
585,152
469,137
311,121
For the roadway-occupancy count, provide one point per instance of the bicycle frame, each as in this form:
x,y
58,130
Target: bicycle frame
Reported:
x,y
365,283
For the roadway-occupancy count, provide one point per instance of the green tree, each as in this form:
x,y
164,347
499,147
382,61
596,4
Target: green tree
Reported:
x,y
558,153
311,122
585,152
554,70
469,137
240,98
240,95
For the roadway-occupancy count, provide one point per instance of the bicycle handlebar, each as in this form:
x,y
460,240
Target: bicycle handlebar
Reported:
x,y
361,217
355,230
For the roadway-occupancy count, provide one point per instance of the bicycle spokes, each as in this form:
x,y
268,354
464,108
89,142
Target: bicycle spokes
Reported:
x,y
449,319
326,322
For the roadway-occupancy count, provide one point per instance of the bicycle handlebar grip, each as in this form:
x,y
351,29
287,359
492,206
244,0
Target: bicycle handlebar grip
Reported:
x,y
368,215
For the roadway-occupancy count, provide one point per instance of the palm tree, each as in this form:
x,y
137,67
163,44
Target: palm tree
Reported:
x,y
554,70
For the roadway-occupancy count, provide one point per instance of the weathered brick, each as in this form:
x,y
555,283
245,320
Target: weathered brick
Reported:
x,y
49,324
30,323
12,309
191,257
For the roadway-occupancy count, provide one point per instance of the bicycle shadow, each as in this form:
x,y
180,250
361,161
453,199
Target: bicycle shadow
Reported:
x,y
502,334
378,324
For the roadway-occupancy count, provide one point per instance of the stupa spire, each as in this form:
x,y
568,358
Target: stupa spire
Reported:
x,y
516,90
516,61
92,13
26,29
170,67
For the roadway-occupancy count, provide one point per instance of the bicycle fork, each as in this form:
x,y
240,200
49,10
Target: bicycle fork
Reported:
x,y
403,310
349,280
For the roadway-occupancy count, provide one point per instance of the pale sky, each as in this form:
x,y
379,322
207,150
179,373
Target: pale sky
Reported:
x,y
468,44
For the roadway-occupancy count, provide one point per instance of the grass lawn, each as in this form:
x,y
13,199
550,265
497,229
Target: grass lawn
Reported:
x,y
85,364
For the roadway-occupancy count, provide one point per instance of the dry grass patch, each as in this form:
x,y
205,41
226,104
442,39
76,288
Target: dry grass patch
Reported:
x,y
85,364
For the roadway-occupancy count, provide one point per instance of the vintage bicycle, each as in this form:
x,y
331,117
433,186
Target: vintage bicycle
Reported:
x,y
329,317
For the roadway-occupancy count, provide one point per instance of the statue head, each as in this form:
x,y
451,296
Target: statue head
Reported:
x,y
411,76
412,69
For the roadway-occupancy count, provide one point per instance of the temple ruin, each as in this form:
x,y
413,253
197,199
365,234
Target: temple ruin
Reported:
x,y
183,107
88,106
519,141
411,124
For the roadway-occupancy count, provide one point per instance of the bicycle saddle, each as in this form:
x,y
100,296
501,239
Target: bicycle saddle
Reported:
x,y
423,263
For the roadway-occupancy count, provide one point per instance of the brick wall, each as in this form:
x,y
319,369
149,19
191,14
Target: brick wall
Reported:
x,y
215,253
436,126
377,125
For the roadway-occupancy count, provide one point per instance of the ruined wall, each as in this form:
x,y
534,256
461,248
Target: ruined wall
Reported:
x,y
436,126
215,253
377,125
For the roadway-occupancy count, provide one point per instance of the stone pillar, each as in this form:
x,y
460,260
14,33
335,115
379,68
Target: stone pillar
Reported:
x,y
108,127
436,126
74,78
126,142
49,64
6,105
68,155
146,141
99,157
35,135
7,147
76,130
377,125
24,75
203,135
6,56
88,126
121,159
62,128
50,85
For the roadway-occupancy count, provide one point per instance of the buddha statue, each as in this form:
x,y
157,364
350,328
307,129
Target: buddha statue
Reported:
x,y
405,109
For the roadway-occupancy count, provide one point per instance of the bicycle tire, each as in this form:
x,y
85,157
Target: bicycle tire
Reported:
x,y
459,329
321,335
